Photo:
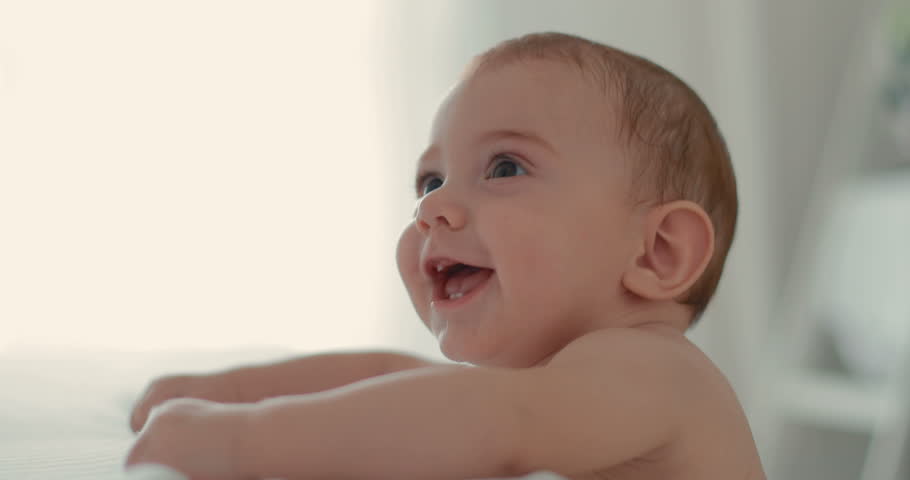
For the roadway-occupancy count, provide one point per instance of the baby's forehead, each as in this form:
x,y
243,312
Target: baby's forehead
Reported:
x,y
540,96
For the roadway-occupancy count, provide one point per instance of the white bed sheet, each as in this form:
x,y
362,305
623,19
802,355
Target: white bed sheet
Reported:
x,y
63,413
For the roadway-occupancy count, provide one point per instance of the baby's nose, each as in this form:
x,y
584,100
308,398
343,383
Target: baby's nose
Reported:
x,y
437,210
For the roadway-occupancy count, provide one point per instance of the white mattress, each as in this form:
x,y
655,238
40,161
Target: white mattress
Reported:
x,y
63,414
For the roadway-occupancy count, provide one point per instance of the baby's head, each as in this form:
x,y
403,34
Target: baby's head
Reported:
x,y
568,186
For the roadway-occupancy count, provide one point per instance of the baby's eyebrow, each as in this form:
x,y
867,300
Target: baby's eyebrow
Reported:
x,y
425,156
519,134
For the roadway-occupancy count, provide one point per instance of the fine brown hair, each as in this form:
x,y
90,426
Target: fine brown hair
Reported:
x,y
674,142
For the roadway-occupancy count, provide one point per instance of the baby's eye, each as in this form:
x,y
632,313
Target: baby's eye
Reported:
x,y
504,166
429,183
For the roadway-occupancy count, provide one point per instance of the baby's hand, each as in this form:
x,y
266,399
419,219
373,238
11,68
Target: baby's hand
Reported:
x,y
216,387
195,437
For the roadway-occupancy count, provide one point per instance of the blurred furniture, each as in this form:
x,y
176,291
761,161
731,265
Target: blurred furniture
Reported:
x,y
839,368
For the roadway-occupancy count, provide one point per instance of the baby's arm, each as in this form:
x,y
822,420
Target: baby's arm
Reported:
x,y
311,373
607,398
315,373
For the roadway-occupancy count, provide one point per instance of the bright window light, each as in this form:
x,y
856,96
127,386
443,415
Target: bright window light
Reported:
x,y
210,179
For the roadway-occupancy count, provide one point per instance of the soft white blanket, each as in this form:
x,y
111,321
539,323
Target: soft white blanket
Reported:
x,y
63,414
154,472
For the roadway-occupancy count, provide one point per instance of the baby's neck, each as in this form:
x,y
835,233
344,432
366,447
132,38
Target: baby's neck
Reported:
x,y
662,316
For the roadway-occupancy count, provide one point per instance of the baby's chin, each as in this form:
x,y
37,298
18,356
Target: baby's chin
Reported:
x,y
479,353
457,350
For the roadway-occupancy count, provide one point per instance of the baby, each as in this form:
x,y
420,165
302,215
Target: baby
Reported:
x,y
575,207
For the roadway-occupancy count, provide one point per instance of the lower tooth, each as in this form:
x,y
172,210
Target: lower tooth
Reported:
x,y
453,296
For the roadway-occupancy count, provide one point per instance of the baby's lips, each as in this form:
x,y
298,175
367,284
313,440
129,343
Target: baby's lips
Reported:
x,y
435,265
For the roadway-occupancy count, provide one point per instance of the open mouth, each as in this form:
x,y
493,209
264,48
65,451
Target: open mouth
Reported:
x,y
454,281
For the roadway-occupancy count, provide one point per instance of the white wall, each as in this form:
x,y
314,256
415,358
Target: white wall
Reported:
x,y
192,174
807,45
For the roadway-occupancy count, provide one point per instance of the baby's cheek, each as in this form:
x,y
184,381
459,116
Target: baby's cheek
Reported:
x,y
407,256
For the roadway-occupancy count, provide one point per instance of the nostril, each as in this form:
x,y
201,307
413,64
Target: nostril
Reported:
x,y
438,221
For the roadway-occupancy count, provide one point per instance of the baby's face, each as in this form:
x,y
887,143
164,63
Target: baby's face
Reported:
x,y
523,225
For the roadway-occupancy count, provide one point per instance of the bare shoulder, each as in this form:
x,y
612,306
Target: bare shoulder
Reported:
x,y
663,362
632,346
711,437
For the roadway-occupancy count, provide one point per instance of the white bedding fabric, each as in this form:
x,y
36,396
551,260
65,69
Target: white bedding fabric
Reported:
x,y
63,414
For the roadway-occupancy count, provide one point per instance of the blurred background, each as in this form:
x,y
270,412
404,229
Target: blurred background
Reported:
x,y
219,175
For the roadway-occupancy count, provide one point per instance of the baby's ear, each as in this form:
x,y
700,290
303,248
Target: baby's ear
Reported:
x,y
677,244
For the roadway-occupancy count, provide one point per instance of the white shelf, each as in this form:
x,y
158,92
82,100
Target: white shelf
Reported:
x,y
835,401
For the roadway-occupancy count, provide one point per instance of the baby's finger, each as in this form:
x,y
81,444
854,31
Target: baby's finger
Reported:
x,y
159,391
140,411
